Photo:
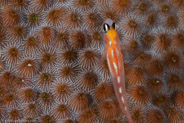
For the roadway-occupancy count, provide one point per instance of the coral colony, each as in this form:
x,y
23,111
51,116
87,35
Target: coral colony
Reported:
x,y
50,67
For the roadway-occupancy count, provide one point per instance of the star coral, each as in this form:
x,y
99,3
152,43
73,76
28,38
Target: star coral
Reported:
x,y
50,66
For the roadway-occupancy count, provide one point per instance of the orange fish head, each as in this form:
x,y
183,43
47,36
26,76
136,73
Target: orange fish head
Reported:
x,y
109,29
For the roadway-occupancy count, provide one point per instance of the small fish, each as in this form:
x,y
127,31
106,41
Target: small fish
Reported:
x,y
116,65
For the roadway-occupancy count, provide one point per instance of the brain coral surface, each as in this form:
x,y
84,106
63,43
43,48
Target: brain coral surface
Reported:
x,y
50,67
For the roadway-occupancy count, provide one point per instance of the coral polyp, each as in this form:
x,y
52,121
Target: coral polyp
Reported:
x,y
83,4
78,40
88,58
162,42
173,113
61,111
88,80
135,75
155,116
154,84
142,59
27,95
69,72
155,67
78,102
142,7
91,19
3,90
28,68
178,40
73,19
61,90
20,4
48,57
17,32
174,81
96,38
10,16
46,119
121,6
108,110
33,17
178,3
151,19
147,40
20,82
45,100
160,100
46,35
14,114
55,15
68,56
171,22
31,110
108,12
7,78
103,91
172,59
179,98
88,115
165,8
138,113
10,100
62,38
140,94
32,44
40,4
12,53
131,25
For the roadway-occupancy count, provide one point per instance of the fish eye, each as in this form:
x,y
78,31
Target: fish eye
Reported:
x,y
114,25
106,27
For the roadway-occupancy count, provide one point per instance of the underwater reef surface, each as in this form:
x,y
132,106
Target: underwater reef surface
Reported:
x,y
50,69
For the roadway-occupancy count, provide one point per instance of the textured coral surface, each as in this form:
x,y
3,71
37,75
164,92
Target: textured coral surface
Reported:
x,y
50,69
